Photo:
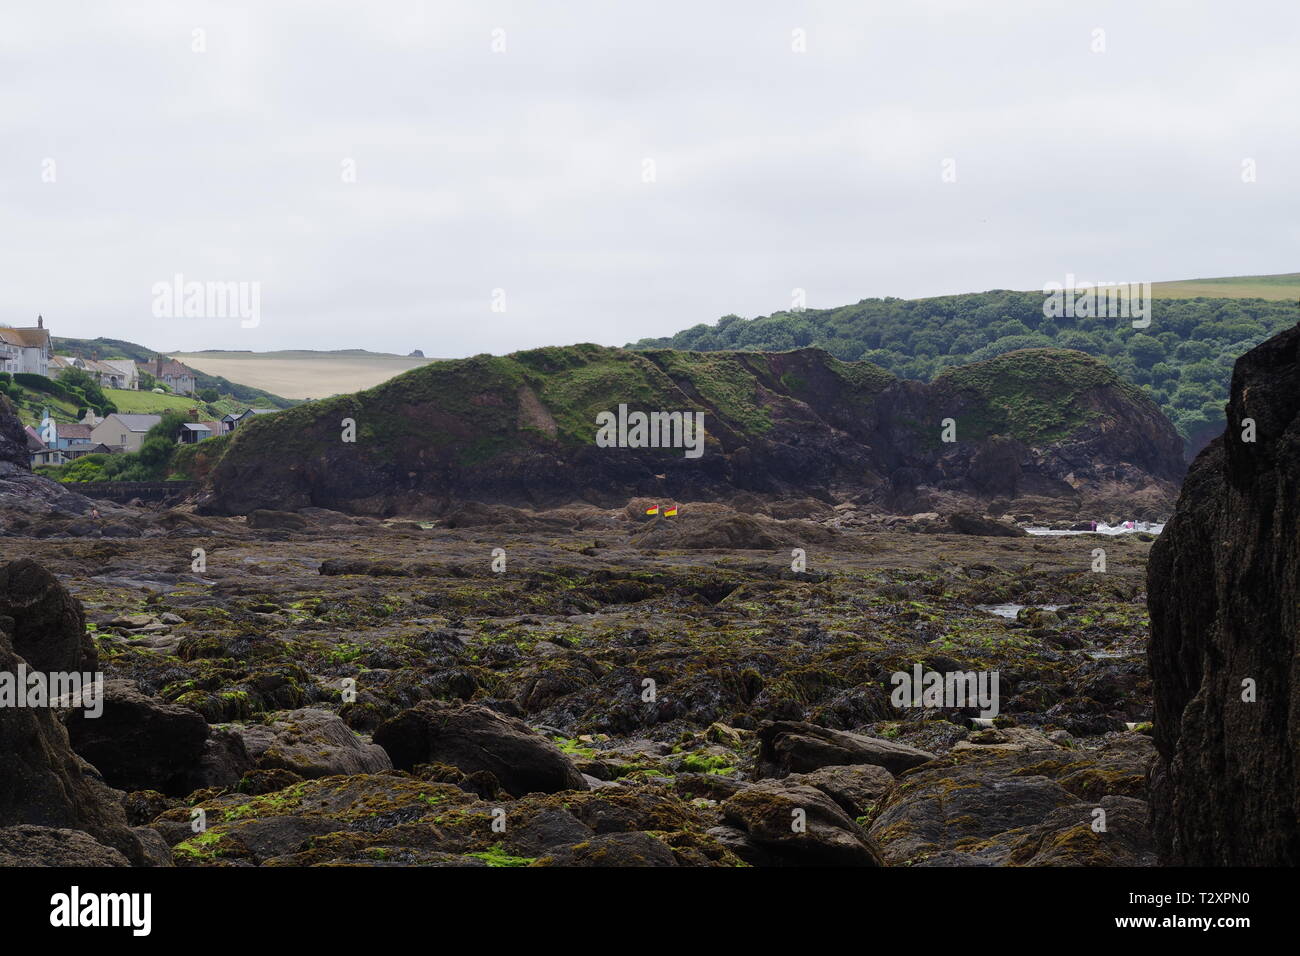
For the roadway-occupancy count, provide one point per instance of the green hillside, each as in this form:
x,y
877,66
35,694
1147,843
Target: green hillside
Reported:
x,y
1183,360
31,403
523,427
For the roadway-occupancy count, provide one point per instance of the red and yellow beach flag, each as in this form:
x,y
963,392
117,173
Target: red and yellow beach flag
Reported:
x,y
652,510
670,511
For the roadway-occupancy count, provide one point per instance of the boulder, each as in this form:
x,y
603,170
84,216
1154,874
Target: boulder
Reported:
x,y
613,849
791,746
967,522
856,789
264,519
1027,806
27,845
473,738
1222,582
48,628
798,824
311,743
139,742
223,763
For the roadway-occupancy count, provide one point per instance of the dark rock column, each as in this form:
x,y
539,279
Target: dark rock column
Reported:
x,y
1225,618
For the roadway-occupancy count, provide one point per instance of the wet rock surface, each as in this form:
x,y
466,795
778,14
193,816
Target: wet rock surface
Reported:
x,y
374,693
47,786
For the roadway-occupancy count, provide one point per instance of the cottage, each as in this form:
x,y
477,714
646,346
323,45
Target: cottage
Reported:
x,y
181,379
37,452
230,422
70,434
26,350
125,430
114,373
192,432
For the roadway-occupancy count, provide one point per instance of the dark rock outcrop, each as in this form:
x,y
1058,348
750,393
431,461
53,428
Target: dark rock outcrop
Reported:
x,y
791,746
965,522
1224,653
794,824
473,738
140,742
1035,426
45,784
263,520
28,845
1025,803
46,624
311,743
35,506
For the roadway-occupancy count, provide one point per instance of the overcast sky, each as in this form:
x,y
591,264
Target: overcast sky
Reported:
x,y
128,157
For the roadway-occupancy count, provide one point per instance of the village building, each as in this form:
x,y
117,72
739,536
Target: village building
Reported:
x,y
230,422
70,434
107,373
26,350
37,453
192,432
181,379
128,431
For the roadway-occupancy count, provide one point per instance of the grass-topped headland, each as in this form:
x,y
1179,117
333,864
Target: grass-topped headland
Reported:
x,y
523,428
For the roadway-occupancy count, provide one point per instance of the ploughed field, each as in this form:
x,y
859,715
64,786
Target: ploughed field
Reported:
x,y
622,693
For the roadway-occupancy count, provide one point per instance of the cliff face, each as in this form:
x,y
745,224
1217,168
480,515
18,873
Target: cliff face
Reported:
x,y
520,429
13,440
1225,619
33,505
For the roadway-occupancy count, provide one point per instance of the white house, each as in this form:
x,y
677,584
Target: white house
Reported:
x,y
25,350
108,373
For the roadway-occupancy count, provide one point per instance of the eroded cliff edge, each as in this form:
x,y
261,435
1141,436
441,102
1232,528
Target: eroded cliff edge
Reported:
x,y
1225,628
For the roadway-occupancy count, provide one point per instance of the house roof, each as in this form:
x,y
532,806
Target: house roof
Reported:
x,y
197,426
136,423
67,430
105,368
246,413
160,368
26,338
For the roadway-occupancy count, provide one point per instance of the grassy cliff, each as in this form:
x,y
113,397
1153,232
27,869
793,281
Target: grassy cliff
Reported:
x,y
522,427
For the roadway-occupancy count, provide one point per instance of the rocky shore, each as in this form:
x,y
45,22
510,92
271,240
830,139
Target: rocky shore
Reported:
x,y
627,691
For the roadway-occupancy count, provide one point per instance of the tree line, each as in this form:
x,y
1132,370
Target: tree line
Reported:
x,y
1183,360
